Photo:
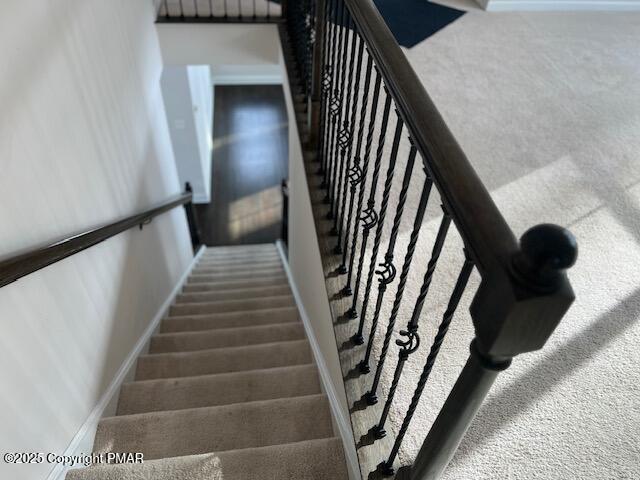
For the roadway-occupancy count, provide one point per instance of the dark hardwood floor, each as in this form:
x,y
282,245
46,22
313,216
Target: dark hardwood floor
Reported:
x,y
250,159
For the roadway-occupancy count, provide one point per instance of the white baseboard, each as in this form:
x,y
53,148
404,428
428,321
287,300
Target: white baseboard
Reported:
x,y
341,420
82,441
560,5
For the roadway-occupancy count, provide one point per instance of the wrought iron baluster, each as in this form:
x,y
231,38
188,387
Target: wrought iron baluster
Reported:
x,y
166,8
195,8
406,266
181,10
348,130
334,103
364,368
370,131
240,9
388,270
356,173
211,8
369,216
346,135
326,83
412,342
226,10
463,278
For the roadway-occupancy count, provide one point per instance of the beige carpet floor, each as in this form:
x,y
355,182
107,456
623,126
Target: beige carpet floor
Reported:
x,y
228,390
547,108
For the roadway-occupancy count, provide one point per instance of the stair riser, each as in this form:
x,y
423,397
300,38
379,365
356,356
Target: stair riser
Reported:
x,y
225,286
223,360
221,389
229,320
235,277
231,306
186,342
215,429
241,259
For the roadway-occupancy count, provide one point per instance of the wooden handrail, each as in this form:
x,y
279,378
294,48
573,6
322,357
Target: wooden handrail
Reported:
x,y
487,235
17,266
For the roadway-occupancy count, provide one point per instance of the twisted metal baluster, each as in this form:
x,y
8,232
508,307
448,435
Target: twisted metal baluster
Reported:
x,y
413,240
412,341
372,125
346,137
369,216
334,106
344,88
388,272
356,174
376,242
349,128
463,278
327,80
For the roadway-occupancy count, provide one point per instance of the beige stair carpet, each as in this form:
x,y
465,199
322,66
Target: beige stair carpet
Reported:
x,y
228,390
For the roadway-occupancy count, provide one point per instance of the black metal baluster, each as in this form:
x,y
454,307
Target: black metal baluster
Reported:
x,y
356,174
339,150
413,240
336,107
226,10
463,278
387,270
364,368
348,130
412,342
181,10
195,8
166,8
346,136
240,9
372,119
210,8
369,216
327,83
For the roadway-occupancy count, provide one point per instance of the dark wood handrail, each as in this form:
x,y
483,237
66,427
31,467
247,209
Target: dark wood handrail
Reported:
x,y
487,235
36,258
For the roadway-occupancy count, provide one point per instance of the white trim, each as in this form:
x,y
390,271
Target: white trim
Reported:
x,y
242,79
560,5
342,421
84,436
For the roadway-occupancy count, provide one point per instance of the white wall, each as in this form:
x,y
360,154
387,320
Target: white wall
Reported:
x,y
237,54
83,140
559,5
188,98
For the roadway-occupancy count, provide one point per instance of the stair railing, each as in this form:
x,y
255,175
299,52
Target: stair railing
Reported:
x,y
220,11
17,266
363,93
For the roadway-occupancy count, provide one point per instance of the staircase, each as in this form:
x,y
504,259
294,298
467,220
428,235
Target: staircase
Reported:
x,y
229,389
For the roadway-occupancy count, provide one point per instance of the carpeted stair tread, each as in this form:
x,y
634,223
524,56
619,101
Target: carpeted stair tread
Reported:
x,y
237,294
246,318
242,262
213,429
225,337
219,286
321,459
218,389
222,306
262,269
221,360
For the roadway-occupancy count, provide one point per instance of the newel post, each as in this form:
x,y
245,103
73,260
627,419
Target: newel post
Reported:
x,y
514,311
191,219
316,72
